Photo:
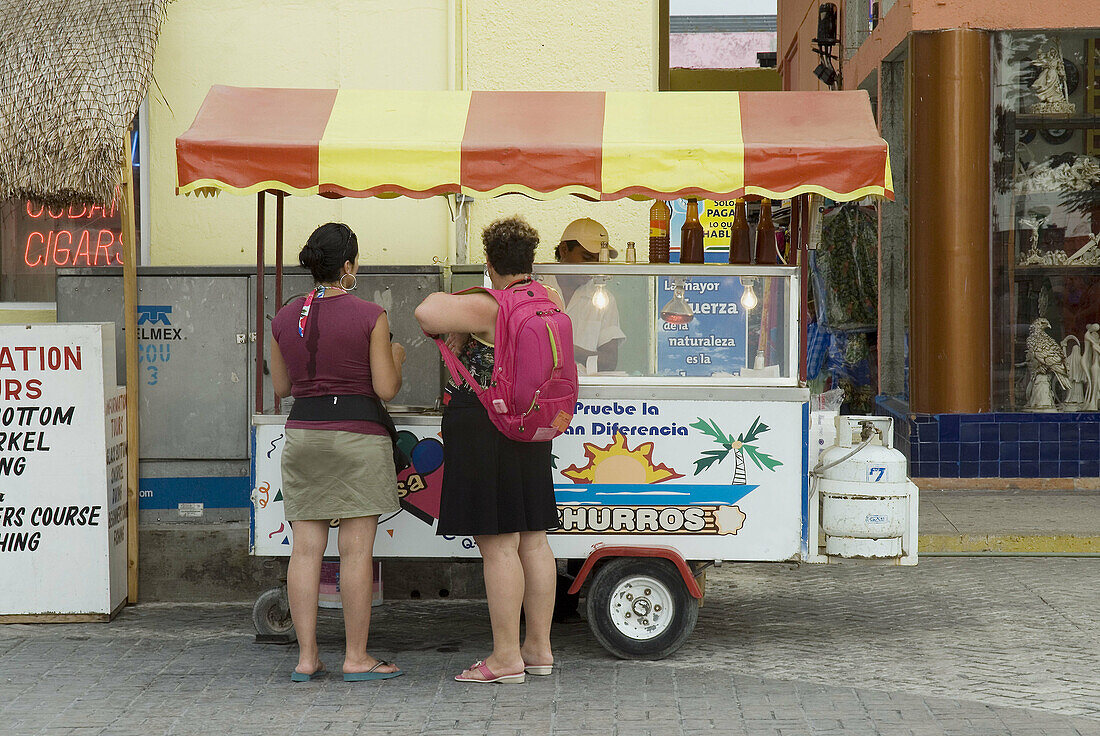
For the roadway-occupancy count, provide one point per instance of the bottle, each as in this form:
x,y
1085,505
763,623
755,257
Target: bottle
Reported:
x,y
659,216
740,236
605,252
691,235
766,252
631,253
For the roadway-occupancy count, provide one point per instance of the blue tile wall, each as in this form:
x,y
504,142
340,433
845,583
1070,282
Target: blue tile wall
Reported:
x,y
1004,444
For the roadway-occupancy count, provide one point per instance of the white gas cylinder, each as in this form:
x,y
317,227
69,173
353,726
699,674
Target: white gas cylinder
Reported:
x,y
864,489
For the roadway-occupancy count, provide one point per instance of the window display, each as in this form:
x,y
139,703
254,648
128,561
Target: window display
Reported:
x,y
672,321
1046,221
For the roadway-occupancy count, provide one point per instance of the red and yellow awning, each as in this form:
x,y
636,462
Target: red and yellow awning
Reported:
x,y
598,145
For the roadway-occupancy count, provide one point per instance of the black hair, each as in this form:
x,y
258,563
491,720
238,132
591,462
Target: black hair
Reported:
x,y
569,245
328,249
510,245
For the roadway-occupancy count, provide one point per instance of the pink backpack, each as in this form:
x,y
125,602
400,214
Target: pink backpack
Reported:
x,y
533,392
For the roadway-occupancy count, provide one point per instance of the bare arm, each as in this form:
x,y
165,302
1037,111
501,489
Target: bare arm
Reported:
x,y
386,359
279,375
441,313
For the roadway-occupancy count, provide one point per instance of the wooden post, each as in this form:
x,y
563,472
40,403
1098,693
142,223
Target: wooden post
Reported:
x,y
129,312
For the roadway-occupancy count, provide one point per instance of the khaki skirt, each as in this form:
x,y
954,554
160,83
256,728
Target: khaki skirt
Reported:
x,y
330,474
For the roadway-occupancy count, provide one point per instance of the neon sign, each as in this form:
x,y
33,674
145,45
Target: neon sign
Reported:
x,y
71,236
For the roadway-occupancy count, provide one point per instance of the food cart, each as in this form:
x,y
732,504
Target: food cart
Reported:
x,y
694,450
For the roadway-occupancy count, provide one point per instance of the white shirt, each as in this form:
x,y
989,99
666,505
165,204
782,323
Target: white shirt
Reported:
x,y
592,327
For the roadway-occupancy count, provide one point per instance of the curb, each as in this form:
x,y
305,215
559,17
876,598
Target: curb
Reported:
x,y
1062,544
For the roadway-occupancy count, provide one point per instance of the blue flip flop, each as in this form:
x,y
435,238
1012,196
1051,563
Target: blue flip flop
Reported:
x,y
371,674
297,676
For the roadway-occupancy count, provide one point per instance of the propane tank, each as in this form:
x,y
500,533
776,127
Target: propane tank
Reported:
x,y
864,490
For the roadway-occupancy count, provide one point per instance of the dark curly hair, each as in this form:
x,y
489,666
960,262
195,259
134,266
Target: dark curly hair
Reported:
x,y
328,249
510,245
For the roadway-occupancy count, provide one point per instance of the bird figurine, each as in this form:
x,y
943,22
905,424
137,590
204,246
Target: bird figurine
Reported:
x,y
1045,359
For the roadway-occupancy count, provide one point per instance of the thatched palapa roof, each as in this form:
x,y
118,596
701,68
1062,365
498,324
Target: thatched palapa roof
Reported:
x,y
72,75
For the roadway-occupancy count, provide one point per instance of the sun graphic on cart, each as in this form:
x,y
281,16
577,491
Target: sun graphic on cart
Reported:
x,y
617,463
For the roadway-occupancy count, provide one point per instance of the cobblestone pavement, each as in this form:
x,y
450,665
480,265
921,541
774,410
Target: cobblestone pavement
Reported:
x,y
953,646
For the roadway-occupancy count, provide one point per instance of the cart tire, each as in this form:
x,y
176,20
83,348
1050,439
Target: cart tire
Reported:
x,y
271,614
640,608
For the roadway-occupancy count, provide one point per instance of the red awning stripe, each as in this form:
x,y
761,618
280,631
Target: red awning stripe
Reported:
x,y
252,135
543,141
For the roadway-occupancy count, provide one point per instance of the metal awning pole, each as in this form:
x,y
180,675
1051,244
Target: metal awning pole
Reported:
x,y
129,311
802,240
279,199
260,219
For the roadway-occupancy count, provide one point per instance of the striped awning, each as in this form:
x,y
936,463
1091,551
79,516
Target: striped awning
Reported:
x,y
598,145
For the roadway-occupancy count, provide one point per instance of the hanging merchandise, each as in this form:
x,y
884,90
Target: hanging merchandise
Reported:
x,y
845,269
851,363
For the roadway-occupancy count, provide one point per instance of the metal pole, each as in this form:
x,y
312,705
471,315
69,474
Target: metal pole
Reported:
x,y
279,198
129,311
802,240
260,302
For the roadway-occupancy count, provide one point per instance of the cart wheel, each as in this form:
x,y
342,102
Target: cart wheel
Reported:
x,y
271,615
640,608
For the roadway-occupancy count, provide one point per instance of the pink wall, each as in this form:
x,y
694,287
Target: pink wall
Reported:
x,y
796,21
717,50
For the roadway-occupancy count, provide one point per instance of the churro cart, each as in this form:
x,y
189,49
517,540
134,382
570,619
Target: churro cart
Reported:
x,y
694,449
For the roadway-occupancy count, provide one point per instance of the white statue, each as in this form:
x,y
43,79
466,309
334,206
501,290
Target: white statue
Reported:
x,y
1078,374
1044,360
1050,85
1091,362
1088,254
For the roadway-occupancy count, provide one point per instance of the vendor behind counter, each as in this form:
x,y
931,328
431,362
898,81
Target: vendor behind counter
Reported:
x,y
596,330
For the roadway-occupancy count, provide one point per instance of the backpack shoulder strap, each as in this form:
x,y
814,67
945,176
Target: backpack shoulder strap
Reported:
x,y
458,371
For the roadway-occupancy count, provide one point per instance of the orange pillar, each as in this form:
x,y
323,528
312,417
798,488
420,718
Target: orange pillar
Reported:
x,y
949,328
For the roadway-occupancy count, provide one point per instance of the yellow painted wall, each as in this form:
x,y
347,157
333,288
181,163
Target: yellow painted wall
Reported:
x,y
382,44
366,44
565,45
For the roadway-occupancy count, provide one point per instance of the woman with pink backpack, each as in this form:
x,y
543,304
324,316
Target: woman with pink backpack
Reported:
x,y
513,388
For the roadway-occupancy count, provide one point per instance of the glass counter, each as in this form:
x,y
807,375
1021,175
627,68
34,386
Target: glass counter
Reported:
x,y
681,325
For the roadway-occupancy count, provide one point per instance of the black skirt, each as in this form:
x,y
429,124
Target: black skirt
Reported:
x,y
491,484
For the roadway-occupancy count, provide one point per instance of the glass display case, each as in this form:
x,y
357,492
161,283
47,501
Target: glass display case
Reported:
x,y
675,324
1046,221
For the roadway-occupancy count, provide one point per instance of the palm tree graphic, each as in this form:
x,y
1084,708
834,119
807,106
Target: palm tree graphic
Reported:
x,y
744,444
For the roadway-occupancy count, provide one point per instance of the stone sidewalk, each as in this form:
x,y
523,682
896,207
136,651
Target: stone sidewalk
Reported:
x,y
952,646
1027,521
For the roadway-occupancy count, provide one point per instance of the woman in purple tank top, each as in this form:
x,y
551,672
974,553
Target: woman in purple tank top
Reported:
x,y
332,353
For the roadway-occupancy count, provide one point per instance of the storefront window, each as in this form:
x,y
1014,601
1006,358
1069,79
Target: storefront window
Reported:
x,y
37,239
1046,221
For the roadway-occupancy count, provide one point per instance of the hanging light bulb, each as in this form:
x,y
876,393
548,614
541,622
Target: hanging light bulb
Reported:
x,y
676,310
600,298
748,296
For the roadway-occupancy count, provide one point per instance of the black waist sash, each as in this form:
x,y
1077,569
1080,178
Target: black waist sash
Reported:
x,y
349,408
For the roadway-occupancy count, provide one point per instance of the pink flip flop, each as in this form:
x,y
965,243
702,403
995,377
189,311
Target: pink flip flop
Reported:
x,y
513,679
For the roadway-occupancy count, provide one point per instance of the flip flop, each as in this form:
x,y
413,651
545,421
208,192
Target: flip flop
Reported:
x,y
371,674
539,669
512,679
297,676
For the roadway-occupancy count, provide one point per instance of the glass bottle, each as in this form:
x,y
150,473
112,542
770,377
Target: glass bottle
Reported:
x,y
740,236
766,252
691,235
659,217
631,253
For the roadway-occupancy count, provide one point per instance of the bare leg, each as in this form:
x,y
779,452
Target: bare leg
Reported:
x,y
504,589
540,576
303,580
356,540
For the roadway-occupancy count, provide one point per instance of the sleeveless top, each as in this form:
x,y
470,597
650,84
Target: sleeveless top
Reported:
x,y
334,356
477,357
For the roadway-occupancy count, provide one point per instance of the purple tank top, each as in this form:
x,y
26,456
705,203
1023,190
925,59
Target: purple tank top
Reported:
x,y
334,356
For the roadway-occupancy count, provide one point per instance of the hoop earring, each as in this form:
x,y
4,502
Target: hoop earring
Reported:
x,y
354,282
